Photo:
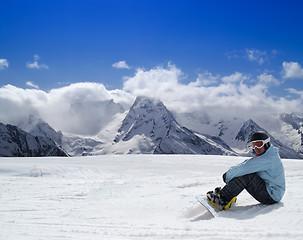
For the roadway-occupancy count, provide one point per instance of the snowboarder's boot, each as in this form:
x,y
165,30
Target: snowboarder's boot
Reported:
x,y
217,200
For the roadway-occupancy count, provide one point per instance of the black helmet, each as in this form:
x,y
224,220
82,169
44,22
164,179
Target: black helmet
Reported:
x,y
260,135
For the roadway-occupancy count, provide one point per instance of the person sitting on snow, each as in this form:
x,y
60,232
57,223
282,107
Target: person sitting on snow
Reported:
x,y
262,176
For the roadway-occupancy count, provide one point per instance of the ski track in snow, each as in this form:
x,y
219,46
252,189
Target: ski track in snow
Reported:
x,y
136,197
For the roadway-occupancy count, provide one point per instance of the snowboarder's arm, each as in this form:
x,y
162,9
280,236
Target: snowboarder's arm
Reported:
x,y
251,165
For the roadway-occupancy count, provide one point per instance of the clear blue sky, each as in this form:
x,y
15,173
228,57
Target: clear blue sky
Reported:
x,y
55,43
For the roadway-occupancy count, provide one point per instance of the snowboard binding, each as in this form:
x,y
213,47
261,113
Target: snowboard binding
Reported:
x,y
217,200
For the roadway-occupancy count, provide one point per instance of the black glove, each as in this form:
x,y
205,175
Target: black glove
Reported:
x,y
224,177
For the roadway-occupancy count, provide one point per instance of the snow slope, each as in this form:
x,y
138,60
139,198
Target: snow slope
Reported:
x,y
136,197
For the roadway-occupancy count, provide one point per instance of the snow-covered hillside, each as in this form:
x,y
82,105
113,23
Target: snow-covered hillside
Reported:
x,y
136,197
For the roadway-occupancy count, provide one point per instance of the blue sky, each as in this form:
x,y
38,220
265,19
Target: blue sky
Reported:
x,y
50,44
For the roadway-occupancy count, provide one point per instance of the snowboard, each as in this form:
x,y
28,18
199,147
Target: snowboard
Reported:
x,y
203,200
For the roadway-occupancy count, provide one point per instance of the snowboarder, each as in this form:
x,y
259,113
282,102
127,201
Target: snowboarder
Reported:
x,y
262,176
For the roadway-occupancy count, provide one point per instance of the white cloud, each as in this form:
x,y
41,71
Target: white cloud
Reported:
x,y
252,55
231,96
31,84
158,80
294,91
3,64
18,103
205,79
237,95
268,79
35,64
255,55
292,70
121,65
236,77
75,108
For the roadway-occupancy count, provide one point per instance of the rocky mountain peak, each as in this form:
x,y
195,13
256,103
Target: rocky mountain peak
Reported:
x,y
146,116
248,128
159,132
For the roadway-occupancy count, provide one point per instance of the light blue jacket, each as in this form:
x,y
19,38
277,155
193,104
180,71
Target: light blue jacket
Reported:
x,y
268,166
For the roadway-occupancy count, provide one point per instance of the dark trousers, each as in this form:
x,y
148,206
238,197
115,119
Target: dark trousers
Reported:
x,y
252,183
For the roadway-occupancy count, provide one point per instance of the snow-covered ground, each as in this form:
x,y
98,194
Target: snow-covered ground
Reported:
x,y
136,197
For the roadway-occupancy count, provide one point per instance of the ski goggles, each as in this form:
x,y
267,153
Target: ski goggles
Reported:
x,y
259,143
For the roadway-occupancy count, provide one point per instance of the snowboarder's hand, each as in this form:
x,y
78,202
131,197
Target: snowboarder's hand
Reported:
x,y
224,177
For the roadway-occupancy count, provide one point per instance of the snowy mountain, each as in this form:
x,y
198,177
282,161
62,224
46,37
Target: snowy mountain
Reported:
x,y
43,129
80,146
293,125
236,132
225,129
37,127
72,144
249,127
18,143
149,127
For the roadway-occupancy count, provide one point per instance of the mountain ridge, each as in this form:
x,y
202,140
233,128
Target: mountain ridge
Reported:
x,y
148,127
